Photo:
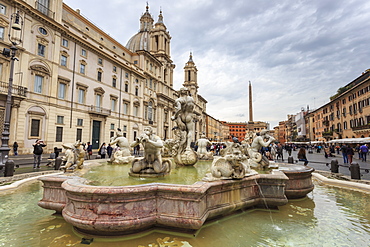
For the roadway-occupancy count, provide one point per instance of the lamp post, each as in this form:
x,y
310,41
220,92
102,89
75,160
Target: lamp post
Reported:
x,y
15,37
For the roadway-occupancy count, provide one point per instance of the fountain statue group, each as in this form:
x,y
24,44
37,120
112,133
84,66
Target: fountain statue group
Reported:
x,y
235,162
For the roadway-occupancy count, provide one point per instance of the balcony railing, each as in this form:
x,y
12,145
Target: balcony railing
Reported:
x,y
99,110
325,122
326,134
16,90
44,9
362,127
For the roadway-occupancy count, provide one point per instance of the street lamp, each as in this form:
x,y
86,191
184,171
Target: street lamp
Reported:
x,y
15,37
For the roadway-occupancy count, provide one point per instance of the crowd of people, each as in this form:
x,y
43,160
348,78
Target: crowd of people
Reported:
x,y
274,152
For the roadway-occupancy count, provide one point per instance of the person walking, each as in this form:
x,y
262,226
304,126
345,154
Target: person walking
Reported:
x,y
37,153
344,149
364,150
350,154
302,156
15,148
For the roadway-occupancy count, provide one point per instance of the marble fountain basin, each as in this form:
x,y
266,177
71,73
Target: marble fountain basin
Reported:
x,y
120,210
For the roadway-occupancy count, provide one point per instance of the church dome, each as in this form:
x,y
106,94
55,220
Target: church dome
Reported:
x,y
141,40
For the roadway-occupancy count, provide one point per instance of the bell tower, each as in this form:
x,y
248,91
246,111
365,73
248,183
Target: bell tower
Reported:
x,y
190,81
160,47
160,38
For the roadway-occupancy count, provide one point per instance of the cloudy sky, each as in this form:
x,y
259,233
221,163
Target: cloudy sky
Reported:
x,y
296,53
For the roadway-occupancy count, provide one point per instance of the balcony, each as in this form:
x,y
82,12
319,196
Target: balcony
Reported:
x,y
362,127
99,111
44,9
325,122
327,134
17,91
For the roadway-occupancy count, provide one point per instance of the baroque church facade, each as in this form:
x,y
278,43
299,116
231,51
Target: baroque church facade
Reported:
x,y
75,82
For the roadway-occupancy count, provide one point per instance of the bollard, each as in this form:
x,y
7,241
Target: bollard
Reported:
x,y
57,163
290,160
334,167
9,168
355,171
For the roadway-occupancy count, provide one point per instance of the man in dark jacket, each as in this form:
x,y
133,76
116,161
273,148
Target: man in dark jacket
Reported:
x,y
344,150
37,152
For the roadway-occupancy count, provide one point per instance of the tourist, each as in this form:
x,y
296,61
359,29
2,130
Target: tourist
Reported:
x,y
52,157
279,152
350,154
37,153
15,148
337,147
109,150
89,150
102,150
326,151
357,150
288,148
364,150
344,149
137,150
302,156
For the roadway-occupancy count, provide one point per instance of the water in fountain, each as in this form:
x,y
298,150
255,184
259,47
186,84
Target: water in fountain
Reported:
x,y
327,216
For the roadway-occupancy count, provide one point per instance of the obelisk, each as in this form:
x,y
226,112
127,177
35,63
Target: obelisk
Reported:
x,y
250,104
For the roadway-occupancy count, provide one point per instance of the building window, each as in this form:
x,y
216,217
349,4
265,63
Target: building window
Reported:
x,y
114,82
35,128
125,108
41,50
60,119
100,61
98,99
43,31
136,91
82,68
63,60
38,84
112,126
43,6
64,42
114,69
126,75
136,111
150,111
81,96
99,75
113,104
126,87
83,53
135,62
59,134
2,9
79,135
2,33
62,91
80,122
